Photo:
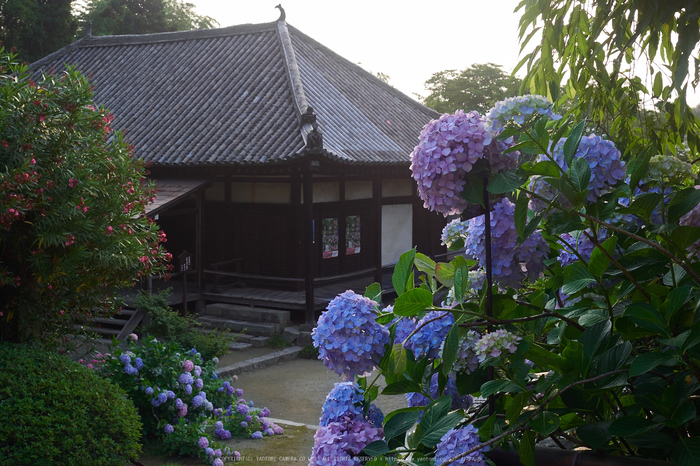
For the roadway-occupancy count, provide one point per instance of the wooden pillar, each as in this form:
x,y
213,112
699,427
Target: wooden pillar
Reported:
x,y
199,213
309,247
342,228
377,207
297,227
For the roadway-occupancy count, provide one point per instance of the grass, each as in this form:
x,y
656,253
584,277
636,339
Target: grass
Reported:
x,y
276,341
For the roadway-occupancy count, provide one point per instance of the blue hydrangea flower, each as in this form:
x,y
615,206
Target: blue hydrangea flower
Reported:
x,y
428,340
168,429
125,359
454,231
345,399
131,370
185,378
457,441
349,339
149,390
138,363
197,401
458,401
375,416
519,109
447,150
467,360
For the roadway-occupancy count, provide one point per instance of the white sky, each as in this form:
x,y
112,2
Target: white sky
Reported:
x,y
408,40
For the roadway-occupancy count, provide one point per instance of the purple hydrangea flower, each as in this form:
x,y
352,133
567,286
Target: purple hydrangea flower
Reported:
x,y
162,397
199,383
511,263
265,412
467,360
168,429
581,244
242,408
188,389
342,442
185,379
138,363
203,442
446,151
178,403
375,416
277,429
197,401
493,344
454,231
217,462
244,424
458,401
217,453
170,394
125,359
257,435
149,390
344,400
457,441
131,370
349,339
239,392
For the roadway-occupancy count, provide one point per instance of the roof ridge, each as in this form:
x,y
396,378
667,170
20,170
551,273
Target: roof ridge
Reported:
x,y
298,95
158,37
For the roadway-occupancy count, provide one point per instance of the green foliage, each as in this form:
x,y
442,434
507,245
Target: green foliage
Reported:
x,y
167,324
308,352
72,228
36,28
56,412
116,17
624,64
475,88
276,341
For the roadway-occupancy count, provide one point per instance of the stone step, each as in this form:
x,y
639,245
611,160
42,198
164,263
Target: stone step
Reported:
x,y
239,346
258,363
248,314
249,328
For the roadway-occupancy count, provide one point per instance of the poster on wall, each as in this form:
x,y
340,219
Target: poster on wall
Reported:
x,y
329,237
352,235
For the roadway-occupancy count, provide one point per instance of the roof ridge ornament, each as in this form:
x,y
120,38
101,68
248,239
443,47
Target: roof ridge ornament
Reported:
x,y
283,15
88,29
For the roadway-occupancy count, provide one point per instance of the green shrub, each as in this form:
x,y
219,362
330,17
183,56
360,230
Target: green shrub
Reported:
x,y
276,341
166,324
54,411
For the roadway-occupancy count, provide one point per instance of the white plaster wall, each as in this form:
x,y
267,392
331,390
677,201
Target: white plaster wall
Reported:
x,y
327,191
397,231
261,193
358,190
397,187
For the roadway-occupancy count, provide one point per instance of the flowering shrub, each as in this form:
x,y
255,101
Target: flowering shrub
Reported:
x,y
180,397
349,340
577,318
72,225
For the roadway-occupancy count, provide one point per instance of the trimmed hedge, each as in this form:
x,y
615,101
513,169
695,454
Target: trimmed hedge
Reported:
x,y
53,411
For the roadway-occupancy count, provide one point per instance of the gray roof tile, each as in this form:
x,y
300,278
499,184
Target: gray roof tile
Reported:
x,y
225,97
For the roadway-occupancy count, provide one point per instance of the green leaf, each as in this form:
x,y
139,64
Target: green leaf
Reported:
x,y
461,278
401,387
647,317
397,359
486,430
504,182
374,292
596,435
648,361
412,302
614,358
376,448
520,214
499,386
526,450
424,264
544,168
687,451
576,278
545,423
675,300
445,274
545,359
627,426
658,85
572,142
450,349
638,167
399,424
473,191
599,262
693,339
593,337
403,270
439,428
683,202
580,173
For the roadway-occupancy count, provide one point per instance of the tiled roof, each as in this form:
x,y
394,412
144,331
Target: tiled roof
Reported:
x,y
170,192
234,96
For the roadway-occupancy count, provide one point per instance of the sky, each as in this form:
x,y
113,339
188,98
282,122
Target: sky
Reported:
x,y
407,40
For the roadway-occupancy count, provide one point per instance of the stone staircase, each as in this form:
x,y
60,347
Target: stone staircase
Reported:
x,y
254,326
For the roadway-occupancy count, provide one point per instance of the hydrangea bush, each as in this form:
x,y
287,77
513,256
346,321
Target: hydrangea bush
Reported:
x,y
574,319
181,400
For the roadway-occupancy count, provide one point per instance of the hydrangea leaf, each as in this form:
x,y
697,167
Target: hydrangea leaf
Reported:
x,y
545,423
596,435
445,273
439,428
576,278
648,361
520,215
687,451
402,271
638,167
580,173
450,349
473,191
400,423
526,449
374,292
599,262
647,317
683,202
504,182
424,264
572,142
412,302
374,449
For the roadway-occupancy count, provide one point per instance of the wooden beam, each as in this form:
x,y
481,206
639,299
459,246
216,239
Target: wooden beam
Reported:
x,y
377,204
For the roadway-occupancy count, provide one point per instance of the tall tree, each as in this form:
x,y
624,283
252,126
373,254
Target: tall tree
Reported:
x,y
114,17
475,88
36,28
624,63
